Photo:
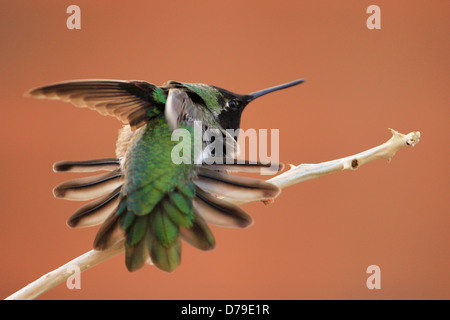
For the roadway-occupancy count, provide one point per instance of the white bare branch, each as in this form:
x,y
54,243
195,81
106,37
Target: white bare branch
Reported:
x,y
294,175
387,150
57,276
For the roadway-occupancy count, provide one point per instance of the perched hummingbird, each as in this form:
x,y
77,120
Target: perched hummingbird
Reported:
x,y
146,201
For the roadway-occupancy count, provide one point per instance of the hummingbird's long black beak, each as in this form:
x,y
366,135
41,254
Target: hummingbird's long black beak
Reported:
x,y
257,94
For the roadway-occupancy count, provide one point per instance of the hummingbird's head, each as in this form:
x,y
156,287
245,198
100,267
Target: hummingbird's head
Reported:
x,y
233,104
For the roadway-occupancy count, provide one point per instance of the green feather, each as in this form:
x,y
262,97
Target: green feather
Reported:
x,y
137,230
187,189
126,220
163,229
136,256
207,93
122,206
160,184
179,218
142,201
159,95
181,202
166,258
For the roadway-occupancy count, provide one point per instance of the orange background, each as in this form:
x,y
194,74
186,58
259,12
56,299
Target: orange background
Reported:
x,y
318,238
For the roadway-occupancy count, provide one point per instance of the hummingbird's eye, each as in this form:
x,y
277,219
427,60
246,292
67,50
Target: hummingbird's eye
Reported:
x,y
233,105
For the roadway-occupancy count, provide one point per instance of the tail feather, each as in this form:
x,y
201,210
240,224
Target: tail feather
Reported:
x,y
220,212
163,229
107,164
199,235
89,188
241,165
95,212
138,255
166,258
235,187
109,233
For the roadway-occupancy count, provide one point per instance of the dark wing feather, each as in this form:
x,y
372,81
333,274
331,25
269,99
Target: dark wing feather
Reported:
x,y
128,101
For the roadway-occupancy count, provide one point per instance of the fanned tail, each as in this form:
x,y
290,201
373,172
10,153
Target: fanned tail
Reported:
x,y
183,213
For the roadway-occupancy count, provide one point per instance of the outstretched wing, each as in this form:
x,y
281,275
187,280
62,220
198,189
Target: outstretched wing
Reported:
x,y
132,102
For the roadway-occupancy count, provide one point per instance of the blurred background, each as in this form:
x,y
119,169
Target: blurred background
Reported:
x,y
318,238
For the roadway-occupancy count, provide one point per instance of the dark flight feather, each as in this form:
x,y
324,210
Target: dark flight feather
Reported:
x,y
128,101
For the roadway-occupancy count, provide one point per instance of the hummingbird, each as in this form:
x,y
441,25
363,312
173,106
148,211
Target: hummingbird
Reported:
x,y
145,201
